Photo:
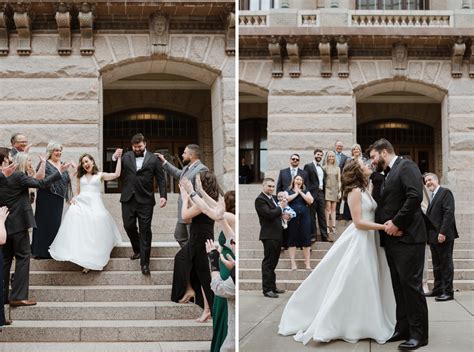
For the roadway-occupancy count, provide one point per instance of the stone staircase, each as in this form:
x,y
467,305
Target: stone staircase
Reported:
x,y
118,309
251,252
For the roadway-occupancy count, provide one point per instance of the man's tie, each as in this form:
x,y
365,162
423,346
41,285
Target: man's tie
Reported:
x,y
432,195
293,173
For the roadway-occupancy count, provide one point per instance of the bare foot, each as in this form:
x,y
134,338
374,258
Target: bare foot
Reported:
x,y
206,314
189,295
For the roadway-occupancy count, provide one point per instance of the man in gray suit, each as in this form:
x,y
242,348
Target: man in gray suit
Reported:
x,y
192,166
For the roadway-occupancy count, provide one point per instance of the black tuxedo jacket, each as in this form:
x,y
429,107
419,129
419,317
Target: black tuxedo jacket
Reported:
x,y
400,202
284,179
14,194
313,180
269,216
441,214
140,183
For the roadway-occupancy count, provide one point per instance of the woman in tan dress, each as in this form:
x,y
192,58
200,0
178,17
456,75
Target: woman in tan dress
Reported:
x,y
333,190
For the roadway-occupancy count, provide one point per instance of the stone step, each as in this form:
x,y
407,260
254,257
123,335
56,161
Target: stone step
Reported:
x,y
109,293
163,346
73,278
166,249
105,311
257,253
286,263
291,285
115,264
301,274
106,331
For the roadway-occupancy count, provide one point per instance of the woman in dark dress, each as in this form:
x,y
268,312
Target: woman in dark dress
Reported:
x,y
3,239
49,204
299,228
191,275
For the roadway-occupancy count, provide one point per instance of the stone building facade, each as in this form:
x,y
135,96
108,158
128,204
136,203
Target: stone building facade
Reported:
x,y
69,69
313,72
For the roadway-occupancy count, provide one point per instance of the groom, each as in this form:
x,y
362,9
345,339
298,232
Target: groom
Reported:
x,y
404,240
139,167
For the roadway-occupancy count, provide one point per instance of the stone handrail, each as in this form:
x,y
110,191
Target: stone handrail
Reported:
x,y
308,18
253,19
401,19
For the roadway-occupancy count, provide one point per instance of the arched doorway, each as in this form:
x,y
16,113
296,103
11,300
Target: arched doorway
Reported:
x,y
253,143
411,140
167,132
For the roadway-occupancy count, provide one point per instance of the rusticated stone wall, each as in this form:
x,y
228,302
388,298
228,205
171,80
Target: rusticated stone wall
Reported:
x,y
50,97
312,111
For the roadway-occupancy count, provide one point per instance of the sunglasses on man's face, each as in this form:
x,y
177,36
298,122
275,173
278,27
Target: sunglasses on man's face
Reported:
x,y
295,159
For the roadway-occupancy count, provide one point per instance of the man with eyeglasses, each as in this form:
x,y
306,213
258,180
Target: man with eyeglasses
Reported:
x,y
287,175
19,144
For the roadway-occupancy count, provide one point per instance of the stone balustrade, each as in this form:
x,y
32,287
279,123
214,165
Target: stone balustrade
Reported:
x,y
253,19
401,19
308,18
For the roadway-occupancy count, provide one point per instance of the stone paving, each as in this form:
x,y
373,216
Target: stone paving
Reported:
x,y
451,327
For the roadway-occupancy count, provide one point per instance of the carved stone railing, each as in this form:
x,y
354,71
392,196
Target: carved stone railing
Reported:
x,y
308,18
401,19
253,19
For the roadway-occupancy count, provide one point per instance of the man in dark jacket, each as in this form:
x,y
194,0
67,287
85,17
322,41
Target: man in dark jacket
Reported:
x,y
269,214
441,238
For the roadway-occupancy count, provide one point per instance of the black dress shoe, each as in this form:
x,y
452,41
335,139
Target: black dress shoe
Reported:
x,y
279,291
145,270
412,344
270,294
135,256
444,297
398,336
432,294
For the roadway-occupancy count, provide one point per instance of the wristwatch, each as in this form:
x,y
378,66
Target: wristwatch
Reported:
x,y
192,194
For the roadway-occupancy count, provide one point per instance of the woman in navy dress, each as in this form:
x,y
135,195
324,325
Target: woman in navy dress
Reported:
x,y
299,228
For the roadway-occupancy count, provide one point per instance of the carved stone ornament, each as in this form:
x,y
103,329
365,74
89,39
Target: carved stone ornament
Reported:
x,y
230,35
23,27
325,52
459,48
86,21
343,57
293,50
4,38
471,59
63,20
276,54
399,59
159,33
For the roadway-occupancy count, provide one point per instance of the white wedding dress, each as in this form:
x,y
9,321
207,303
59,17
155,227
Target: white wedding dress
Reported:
x,y
349,295
88,232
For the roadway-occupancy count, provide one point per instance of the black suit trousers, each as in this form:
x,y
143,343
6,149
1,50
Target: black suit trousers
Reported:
x,y
18,246
406,263
271,255
317,209
443,268
140,237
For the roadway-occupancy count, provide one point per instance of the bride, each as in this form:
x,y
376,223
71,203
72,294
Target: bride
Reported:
x,y
88,232
349,294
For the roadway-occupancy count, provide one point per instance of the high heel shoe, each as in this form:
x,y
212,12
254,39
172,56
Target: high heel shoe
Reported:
x,y
206,314
294,267
188,297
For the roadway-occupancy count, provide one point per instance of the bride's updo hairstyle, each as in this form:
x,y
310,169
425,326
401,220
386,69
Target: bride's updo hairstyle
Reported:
x,y
80,170
353,177
210,185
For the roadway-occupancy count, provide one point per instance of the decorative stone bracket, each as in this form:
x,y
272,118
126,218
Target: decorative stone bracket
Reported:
x,y
86,20
230,35
459,48
325,52
23,27
471,60
63,20
4,39
399,59
293,50
159,33
343,55
277,56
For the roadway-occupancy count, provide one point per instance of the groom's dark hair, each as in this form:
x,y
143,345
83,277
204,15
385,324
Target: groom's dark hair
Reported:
x,y
380,145
138,138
